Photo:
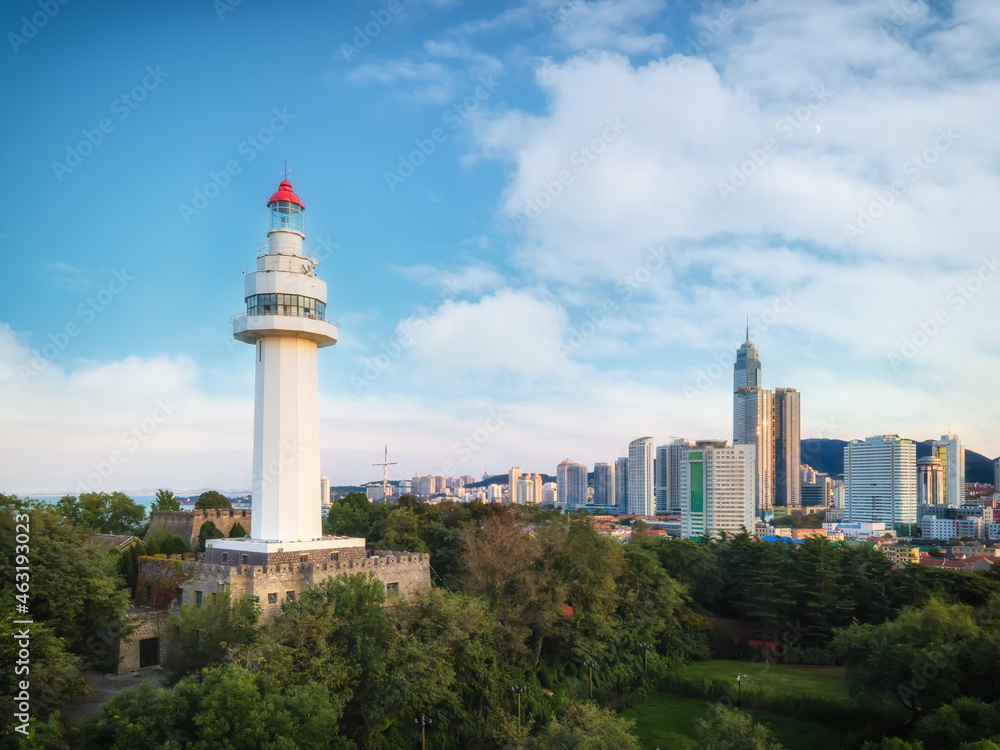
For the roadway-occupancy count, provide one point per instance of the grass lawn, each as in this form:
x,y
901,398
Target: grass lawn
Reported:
x,y
826,682
666,722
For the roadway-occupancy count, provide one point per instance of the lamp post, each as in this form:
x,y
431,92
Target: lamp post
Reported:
x,y
739,689
645,657
517,690
423,721
590,665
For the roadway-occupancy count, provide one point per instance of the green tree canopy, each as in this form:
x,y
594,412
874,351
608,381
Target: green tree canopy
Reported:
x,y
733,729
102,513
202,635
212,500
76,589
165,500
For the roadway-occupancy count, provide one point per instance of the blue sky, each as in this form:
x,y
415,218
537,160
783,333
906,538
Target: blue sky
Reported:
x,y
606,190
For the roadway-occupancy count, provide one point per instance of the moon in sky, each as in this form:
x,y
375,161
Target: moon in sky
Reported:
x,y
817,130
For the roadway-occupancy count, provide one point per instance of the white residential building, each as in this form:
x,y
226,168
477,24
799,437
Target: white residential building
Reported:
x,y
880,480
640,477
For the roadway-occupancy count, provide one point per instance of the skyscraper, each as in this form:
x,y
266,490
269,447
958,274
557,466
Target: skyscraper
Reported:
x,y
787,448
621,484
661,482
604,484
717,484
512,477
753,409
561,492
640,477
930,481
677,450
950,452
880,480
576,485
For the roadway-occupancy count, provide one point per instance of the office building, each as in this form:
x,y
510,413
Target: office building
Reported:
x,y
621,484
930,481
576,485
677,450
640,477
717,485
787,447
753,416
661,479
604,484
880,480
949,451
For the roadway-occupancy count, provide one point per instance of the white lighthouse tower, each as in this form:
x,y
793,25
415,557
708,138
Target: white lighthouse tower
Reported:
x,y
286,322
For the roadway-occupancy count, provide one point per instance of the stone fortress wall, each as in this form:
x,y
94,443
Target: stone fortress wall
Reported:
x,y
188,523
273,584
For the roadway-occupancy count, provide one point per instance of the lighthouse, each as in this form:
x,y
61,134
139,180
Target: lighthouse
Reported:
x,y
286,553
286,322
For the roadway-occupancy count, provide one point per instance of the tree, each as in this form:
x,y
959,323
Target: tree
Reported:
x,y
55,675
76,589
226,706
585,727
102,513
237,532
212,500
165,500
733,729
202,635
208,530
924,658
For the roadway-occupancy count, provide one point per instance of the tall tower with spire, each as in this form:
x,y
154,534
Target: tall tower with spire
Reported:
x,y
753,408
286,323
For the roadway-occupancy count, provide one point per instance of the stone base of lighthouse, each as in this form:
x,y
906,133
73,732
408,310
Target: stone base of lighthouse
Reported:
x,y
273,577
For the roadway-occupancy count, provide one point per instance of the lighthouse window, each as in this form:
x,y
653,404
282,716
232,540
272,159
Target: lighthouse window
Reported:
x,y
286,304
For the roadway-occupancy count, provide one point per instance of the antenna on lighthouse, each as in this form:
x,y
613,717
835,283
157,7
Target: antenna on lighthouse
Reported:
x,y
386,463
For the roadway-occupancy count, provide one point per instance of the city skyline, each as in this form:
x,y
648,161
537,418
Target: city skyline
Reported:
x,y
542,226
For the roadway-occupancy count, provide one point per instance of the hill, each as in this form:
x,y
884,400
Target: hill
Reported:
x,y
827,455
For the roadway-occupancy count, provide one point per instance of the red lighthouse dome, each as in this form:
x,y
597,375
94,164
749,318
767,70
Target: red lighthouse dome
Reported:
x,y
285,193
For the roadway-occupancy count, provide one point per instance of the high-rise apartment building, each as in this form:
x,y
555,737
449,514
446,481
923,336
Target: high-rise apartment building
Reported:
x,y
717,484
880,480
512,478
561,481
640,477
930,481
752,425
950,452
787,448
677,450
661,478
604,484
621,484
576,485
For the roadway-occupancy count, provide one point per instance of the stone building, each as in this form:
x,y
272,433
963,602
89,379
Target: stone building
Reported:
x,y
188,523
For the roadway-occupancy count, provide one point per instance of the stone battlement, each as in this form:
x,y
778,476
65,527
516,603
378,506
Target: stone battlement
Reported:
x,y
276,582
187,523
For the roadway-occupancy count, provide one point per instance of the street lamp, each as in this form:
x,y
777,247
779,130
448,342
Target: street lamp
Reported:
x,y
739,688
518,689
590,665
645,656
423,721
